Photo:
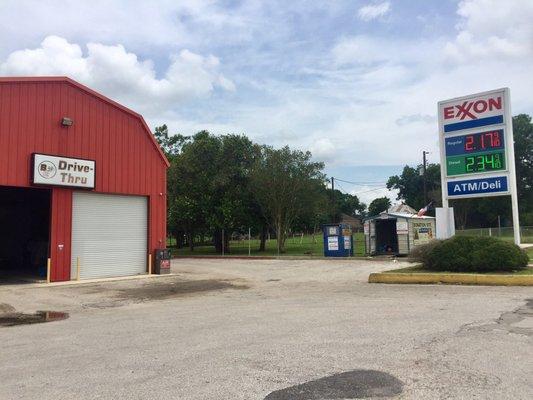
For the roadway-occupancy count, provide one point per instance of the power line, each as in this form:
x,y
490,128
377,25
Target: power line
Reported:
x,y
361,183
371,190
342,189
359,192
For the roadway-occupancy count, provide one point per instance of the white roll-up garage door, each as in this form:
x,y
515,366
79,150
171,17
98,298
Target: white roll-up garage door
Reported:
x,y
109,235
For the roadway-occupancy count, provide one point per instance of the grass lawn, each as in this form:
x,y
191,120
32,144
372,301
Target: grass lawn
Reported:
x,y
294,246
420,269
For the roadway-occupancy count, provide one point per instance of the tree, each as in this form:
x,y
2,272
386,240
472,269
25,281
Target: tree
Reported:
x,y
523,137
345,203
286,185
171,145
378,205
209,189
190,185
234,208
410,186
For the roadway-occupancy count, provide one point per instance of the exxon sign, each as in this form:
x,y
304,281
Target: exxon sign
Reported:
x,y
472,112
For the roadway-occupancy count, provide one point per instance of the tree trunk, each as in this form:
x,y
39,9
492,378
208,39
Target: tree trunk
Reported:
x,y
226,242
217,241
263,237
190,239
461,216
280,237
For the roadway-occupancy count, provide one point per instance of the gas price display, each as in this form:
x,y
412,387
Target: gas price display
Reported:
x,y
475,153
484,162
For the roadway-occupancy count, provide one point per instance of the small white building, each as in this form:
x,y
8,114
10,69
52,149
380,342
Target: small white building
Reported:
x,y
397,231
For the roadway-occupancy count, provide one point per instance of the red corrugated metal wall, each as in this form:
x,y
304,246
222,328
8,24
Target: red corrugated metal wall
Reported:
x,y
127,159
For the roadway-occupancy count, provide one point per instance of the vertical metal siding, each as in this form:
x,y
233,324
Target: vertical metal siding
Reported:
x,y
60,233
127,161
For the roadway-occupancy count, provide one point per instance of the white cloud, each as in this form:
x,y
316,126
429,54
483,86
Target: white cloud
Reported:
x,y
120,74
141,26
490,29
372,95
373,11
359,49
391,85
323,150
416,118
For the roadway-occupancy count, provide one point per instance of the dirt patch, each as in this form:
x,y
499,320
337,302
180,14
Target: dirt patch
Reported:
x,y
355,384
166,290
13,319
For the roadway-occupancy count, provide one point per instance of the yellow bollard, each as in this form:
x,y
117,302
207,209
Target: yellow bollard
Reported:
x,y
149,264
48,264
77,268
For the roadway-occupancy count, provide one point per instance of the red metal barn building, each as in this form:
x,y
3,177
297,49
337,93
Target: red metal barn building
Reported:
x,y
82,182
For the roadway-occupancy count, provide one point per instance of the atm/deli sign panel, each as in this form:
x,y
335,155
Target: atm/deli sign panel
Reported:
x,y
63,171
491,186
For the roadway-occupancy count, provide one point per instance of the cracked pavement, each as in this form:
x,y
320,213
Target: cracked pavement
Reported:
x,y
249,329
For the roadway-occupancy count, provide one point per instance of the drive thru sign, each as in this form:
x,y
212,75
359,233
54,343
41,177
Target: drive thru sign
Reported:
x,y
476,148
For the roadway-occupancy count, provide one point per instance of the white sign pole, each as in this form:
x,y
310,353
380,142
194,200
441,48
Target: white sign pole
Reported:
x,y
443,227
512,168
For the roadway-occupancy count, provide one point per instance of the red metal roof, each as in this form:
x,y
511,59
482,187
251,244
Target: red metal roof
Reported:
x,y
92,93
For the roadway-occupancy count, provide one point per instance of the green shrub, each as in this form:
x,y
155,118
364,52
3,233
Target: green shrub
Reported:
x,y
420,253
471,254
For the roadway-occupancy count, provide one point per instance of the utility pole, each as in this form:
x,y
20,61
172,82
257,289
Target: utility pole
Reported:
x,y
333,198
424,167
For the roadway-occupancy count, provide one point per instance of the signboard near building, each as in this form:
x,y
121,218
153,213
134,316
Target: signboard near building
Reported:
x,y
63,171
422,232
476,148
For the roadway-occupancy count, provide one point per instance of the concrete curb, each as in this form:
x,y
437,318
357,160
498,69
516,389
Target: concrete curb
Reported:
x,y
452,279
43,284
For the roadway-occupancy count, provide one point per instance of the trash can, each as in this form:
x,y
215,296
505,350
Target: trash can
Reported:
x,y
162,261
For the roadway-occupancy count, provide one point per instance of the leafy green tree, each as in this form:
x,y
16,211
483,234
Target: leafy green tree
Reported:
x,y
191,186
208,188
410,185
170,144
234,207
346,203
286,184
378,205
523,136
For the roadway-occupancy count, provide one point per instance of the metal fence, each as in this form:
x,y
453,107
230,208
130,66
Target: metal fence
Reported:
x,y
505,233
244,244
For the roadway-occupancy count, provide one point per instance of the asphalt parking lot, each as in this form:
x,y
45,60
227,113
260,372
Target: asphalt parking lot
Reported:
x,y
267,329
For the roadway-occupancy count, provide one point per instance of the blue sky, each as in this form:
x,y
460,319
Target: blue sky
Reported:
x,y
355,82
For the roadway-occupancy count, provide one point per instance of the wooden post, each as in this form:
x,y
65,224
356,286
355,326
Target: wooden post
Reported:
x,y
249,241
149,263
48,265
77,268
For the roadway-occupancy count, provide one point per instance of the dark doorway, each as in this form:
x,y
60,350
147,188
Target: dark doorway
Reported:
x,y
386,236
24,233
